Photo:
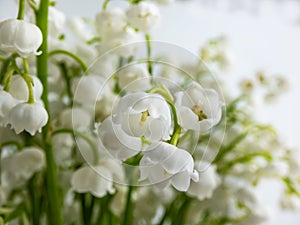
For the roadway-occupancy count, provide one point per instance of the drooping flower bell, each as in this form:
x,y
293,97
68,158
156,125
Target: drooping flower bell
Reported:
x,y
29,117
164,164
19,36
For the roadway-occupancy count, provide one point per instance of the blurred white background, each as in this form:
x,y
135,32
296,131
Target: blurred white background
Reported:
x,y
263,35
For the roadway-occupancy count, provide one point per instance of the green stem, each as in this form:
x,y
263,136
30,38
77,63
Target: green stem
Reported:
x,y
225,149
7,79
21,10
4,68
34,201
65,73
70,54
53,200
150,65
104,6
128,213
29,82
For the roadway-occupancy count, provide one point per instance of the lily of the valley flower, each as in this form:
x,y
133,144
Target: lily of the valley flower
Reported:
x,y
7,103
163,164
19,167
198,109
117,141
207,183
19,90
143,16
134,78
98,180
110,20
18,36
144,115
29,117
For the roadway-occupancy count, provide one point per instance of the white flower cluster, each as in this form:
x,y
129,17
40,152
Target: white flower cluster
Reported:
x,y
18,109
116,116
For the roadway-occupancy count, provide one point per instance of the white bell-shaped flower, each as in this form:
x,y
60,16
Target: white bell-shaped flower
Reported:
x,y
208,181
163,163
7,103
56,21
75,118
87,89
98,180
19,36
198,109
79,27
19,167
144,115
143,16
123,42
134,78
110,20
88,179
115,140
19,90
62,148
29,117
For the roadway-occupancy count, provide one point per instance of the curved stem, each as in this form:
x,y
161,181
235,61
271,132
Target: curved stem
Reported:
x,y
29,82
105,3
70,54
21,10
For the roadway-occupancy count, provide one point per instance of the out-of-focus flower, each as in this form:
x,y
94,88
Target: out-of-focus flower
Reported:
x,y
208,181
87,89
163,164
18,36
110,20
98,180
7,103
134,78
290,201
56,21
123,41
198,109
143,16
29,117
19,167
75,118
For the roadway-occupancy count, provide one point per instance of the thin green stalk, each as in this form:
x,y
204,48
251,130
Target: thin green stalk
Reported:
x,y
34,201
150,65
53,199
104,6
28,80
70,54
128,213
4,68
225,149
21,10
66,77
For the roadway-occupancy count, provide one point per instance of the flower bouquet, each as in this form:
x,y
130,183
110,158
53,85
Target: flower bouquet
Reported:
x,y
102,125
